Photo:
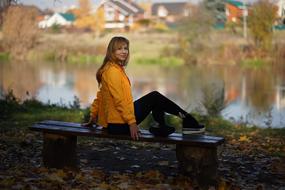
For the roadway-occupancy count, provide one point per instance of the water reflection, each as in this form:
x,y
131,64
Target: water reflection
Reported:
x,y
256,96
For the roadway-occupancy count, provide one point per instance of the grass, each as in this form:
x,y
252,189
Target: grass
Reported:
x,y
146,48
23,114
4,56
253,63
164,61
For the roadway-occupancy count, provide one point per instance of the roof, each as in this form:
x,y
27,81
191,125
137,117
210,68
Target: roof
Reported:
x,y
129,7
172,8
68,16
235,3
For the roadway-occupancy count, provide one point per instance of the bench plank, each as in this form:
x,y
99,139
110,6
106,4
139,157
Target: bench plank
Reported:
x,y
75,129
144,132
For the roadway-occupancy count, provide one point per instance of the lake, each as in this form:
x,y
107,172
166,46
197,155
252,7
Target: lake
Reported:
x,y
254,96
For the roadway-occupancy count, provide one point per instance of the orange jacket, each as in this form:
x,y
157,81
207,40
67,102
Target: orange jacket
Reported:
x,y
114,102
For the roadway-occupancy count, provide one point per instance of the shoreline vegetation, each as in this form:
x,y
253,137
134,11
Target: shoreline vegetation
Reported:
x,y
165,49
19,115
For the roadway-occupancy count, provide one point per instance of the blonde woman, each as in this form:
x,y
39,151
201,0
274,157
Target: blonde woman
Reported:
x,y
114,109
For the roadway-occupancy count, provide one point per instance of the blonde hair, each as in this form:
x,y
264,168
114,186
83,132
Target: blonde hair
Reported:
x,y
115,43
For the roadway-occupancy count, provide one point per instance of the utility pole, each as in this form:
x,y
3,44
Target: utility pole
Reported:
x,y
244,13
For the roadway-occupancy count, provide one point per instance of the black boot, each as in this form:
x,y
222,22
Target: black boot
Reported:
x,y
162,131
190,125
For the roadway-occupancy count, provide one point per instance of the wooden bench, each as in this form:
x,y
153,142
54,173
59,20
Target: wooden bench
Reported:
x,y
196,154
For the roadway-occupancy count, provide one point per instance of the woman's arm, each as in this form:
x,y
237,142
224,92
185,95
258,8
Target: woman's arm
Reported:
x,y
94,110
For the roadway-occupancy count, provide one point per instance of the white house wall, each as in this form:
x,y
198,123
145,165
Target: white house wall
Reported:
x,y
109,13
281,8
121,17
55,19
114,25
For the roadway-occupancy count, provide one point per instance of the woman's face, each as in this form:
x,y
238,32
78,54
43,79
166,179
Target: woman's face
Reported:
x,y
122,52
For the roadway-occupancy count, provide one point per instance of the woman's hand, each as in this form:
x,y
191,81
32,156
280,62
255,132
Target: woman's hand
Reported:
x,y
134,131
89,124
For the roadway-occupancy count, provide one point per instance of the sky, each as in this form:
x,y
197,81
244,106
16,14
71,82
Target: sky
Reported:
x,y
63,4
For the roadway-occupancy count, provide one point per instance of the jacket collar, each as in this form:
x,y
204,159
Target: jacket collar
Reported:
x,y
118,66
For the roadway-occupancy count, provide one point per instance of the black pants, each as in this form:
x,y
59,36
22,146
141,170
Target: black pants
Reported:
x,y
154,103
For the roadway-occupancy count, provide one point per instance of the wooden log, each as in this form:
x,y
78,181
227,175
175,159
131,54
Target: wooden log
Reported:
x,y
200,163
59,151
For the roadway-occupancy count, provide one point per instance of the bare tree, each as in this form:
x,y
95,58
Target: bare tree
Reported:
x,y
6,3
20,30
3,5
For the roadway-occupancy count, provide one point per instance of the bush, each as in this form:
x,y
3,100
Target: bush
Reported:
x,y
8,104
213,99
4,56
20,30
261,20
160,27
253,63
55,28
164,61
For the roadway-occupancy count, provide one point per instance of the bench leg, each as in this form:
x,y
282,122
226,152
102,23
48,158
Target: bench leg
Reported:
x,y
59,151
201,163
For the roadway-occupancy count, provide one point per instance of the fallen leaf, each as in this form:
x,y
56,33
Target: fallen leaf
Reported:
x,y
55,177
163,163
61,174
123,185
243,138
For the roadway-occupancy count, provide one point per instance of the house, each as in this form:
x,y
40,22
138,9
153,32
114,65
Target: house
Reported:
x,y
281,10
61,19
234,11
170,11
121,13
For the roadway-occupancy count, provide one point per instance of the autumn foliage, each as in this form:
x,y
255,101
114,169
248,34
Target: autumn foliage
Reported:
x,y
20,30
88,20
261,19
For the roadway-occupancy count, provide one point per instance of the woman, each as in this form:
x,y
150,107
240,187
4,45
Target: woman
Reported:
x,y
114,108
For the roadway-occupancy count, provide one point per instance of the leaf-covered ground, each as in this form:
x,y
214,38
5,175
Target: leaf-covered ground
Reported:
x,y
113,164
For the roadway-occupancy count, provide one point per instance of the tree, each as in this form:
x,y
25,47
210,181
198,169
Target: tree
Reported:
x,y
193,30
3,5
84,8
86,20
216,8
6,3
261,19
20,30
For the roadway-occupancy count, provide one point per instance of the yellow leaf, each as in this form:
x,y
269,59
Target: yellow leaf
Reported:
x,y
243,138
61,174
